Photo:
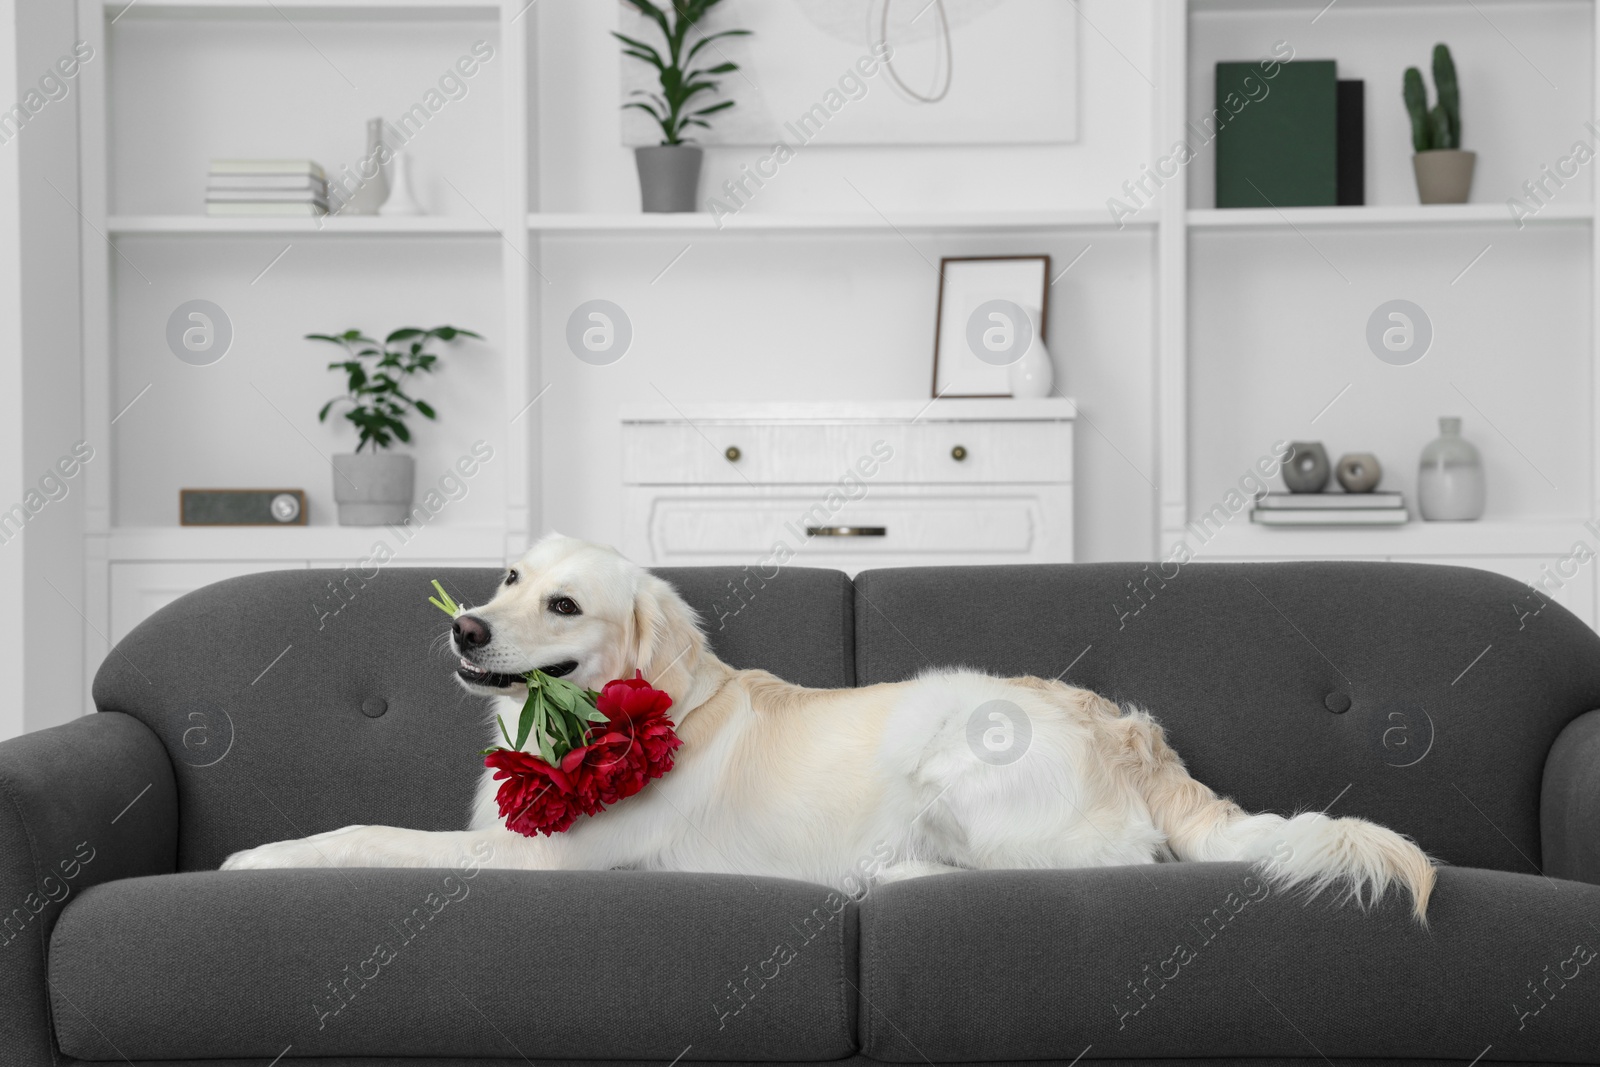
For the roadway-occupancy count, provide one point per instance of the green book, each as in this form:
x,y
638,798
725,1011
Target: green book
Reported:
x,y
1277,141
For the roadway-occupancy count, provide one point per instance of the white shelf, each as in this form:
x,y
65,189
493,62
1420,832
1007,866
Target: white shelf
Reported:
x,y
291,544
1373,216
846,222
974,409
389,10
1241,538
336,226
1310,8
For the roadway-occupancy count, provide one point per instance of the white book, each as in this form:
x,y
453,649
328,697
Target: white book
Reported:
x,y
267,166
287,196
1324,517
1330,501
266,181
256,207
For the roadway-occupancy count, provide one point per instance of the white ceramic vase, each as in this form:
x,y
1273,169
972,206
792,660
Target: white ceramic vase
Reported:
x,y
402,200
1450,485
1034,375
373,188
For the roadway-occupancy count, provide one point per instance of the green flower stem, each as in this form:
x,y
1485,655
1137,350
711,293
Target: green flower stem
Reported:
x,y
557,714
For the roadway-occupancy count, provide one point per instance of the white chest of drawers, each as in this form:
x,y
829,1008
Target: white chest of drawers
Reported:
x,y
849,485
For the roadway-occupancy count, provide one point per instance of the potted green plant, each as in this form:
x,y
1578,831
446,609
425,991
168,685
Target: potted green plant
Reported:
x,y
1444,172
372,486
669,173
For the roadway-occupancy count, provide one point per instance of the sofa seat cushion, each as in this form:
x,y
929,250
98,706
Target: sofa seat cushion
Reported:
x,y
618,965
1207,960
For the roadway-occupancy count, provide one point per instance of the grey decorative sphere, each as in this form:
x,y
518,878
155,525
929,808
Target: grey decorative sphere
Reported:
x,y
1306,469
1359,472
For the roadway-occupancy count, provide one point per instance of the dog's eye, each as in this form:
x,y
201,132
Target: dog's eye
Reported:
x,y
511,577
564,605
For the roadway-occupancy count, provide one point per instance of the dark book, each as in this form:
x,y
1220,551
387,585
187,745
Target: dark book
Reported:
x,y
1352,148
1278,141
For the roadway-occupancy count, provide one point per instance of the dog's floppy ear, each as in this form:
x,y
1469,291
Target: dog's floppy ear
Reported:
x,y
666,644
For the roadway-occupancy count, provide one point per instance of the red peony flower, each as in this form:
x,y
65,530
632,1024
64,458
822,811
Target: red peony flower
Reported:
x,y
640,713
632,700
534,797
618,760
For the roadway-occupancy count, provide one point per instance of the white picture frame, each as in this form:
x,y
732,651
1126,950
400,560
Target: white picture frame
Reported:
x,y
966,285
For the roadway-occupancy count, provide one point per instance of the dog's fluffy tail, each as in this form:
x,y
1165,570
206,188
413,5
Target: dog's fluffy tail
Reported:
x,y
1310,849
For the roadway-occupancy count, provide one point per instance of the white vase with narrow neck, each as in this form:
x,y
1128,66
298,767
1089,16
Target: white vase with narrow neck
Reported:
x,y
1034,375
1450,485
368,178
402,201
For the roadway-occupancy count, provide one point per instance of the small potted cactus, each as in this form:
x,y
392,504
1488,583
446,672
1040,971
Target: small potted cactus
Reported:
x,y
1444,172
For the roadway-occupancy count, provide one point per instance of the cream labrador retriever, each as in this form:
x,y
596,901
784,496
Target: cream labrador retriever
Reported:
x,y
833,785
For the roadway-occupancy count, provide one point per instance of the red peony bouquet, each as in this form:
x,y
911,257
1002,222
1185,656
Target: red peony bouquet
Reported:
x,y
592,748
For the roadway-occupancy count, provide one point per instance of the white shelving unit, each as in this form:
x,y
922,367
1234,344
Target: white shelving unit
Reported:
x,y
1260,303
145,250
1178,329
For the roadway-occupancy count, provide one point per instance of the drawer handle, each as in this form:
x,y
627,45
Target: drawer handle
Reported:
x,y
958,453
847,531
733,453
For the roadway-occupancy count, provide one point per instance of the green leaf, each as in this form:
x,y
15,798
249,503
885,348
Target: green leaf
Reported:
x,y
401,334
547,753
424,407
708,38
525,720
503,734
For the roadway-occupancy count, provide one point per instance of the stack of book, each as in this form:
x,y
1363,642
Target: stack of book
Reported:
x,y
294,187
1330,509
1288,135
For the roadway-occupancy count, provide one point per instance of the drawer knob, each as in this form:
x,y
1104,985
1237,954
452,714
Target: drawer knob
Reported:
x,y
958,453
733,453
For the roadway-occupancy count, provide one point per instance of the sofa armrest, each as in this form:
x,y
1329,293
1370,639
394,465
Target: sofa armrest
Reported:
x,y
1569,804
80,804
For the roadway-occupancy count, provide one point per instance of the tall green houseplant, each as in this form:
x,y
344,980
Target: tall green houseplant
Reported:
x,y
669,172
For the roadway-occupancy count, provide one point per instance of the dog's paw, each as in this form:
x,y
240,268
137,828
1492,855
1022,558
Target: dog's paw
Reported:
x,y
319,850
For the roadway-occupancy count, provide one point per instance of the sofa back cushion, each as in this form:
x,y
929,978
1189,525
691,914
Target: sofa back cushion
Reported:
x,y
1423,697
291,705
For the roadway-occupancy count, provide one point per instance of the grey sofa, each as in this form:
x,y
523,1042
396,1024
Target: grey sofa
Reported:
x,y
1450,704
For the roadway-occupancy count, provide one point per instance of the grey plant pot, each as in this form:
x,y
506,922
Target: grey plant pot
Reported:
x,y
373,488
669,176
1444,175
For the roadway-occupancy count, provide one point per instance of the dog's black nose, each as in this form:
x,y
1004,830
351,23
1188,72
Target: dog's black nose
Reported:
x,y
471,631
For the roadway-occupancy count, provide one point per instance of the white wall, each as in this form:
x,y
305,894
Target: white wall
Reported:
x,y
13,612
46,384
803,317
